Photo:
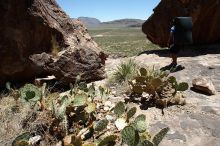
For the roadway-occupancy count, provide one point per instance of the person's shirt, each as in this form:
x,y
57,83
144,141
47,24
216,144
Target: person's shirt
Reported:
x,y
172,29
171,39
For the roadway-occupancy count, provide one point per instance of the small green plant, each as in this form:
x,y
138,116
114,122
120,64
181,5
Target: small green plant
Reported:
x,y
125,71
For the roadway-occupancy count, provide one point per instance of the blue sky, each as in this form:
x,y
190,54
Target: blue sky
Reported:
x,y
106,10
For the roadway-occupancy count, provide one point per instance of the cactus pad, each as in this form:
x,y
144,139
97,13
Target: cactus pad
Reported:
x,y
119,108
23,143
107,140
137,89
131,112
23,138
83,86
130,136
172,80
90,108
80,99
159,136
182,86
156,82
30,93
140,118
101,125
141,126
140,79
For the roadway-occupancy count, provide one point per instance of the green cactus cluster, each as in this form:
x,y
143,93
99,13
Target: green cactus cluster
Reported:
x,y
158,84
80,108
80,114
136,132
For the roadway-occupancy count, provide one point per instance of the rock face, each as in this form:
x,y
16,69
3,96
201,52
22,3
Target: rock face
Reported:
x,y
204,85
205,15
38,38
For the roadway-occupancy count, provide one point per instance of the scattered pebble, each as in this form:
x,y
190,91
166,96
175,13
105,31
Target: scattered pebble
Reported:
x,y
35,139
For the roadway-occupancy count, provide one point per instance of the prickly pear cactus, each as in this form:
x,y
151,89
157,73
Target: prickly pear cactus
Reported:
x,y
30,93
107,140
130,136
137,89
90,108
80,99
22,139
182,86
172,80
159,136
156,83
23,143
140,117
131,112
83,86
141,126
119,109
59,110
101,125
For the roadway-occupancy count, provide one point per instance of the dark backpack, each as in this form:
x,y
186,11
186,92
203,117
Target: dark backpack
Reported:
x,y
183,31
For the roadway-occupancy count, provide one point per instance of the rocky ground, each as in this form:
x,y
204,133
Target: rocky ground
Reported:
x,y
196,123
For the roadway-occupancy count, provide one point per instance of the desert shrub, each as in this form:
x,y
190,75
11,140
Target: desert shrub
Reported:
x,y
125,71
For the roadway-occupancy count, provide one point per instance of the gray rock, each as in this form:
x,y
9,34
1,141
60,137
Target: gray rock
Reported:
x,y
204,85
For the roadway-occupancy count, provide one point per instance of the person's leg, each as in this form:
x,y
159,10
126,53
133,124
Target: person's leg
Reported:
x,y
174,58
173,54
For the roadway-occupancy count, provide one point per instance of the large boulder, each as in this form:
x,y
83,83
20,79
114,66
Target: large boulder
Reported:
x,y
38,38
205,15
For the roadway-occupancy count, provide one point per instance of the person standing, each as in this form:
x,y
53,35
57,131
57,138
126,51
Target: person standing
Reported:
x,y
174,48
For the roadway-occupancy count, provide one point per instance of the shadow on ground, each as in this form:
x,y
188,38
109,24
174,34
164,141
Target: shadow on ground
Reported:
x,y
188,51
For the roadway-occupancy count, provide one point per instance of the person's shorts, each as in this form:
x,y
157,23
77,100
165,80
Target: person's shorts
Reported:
x,y
174,49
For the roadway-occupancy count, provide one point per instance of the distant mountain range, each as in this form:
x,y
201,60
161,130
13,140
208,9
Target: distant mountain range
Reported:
x,y
90,22
93,22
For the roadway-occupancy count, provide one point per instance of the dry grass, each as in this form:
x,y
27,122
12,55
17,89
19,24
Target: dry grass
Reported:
x,y
12,114
17,117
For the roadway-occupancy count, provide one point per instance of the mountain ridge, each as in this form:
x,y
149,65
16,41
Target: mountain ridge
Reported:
x,y
126,22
